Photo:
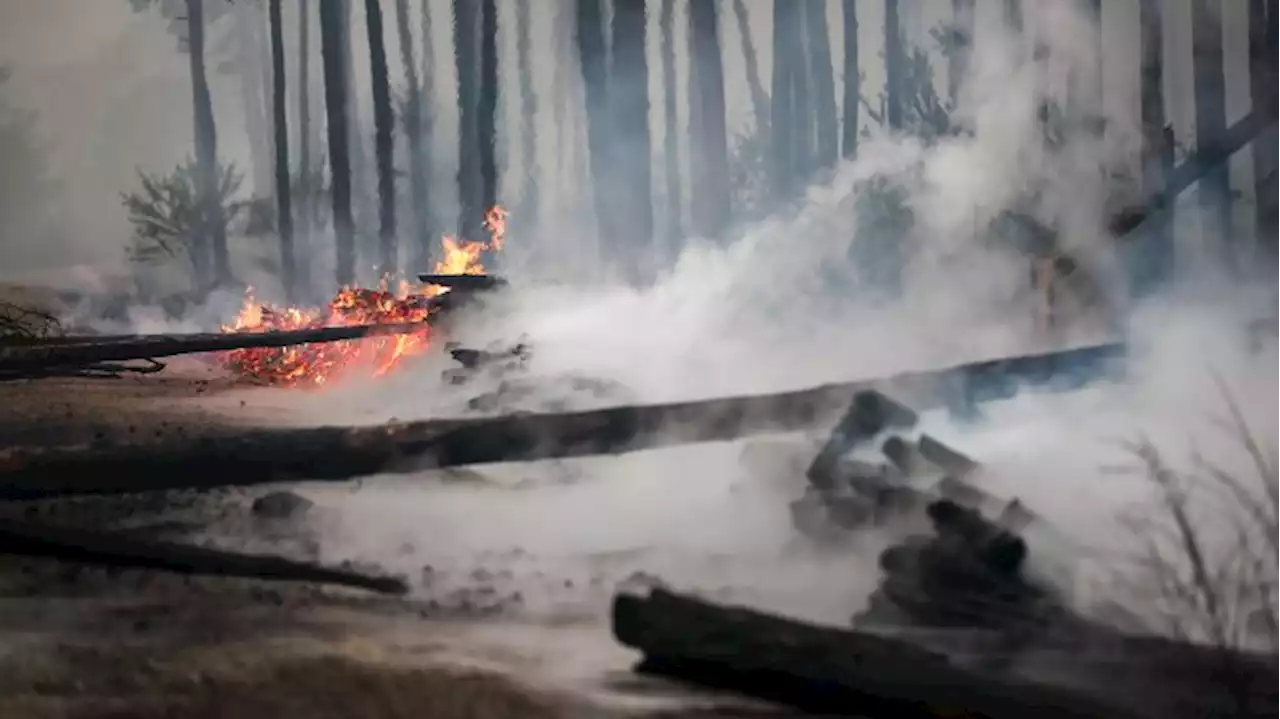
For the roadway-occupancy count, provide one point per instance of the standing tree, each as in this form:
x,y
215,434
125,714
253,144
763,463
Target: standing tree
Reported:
x,y
827,146
1012,11
388,252
852,82
1263,53
710,156
214,227
670,137
759,98
1155,253
302,264
593,59
335,100
894,62
487,109
782,119
960,47
629,98
284,210
1210,92
419,212
465,30
528,116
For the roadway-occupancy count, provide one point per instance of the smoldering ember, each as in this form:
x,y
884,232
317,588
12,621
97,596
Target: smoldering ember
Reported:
x,y
638,358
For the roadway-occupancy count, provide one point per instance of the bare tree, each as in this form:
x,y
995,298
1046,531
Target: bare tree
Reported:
x,y
1155,255
388,255
466,22
822,79
629,98
852,81
284,209
214,228
487,109
332,39
960,47
759,99
670,138
1210,91
710,157
419,202
302,259
1263,53
593,59
528,117
894,62
782,120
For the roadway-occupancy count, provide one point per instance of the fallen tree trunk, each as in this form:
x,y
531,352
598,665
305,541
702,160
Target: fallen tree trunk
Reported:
x,y
40,357
474,283
1193,169
117,550
821,669
260,456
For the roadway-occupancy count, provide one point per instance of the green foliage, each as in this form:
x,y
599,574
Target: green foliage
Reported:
x,y
165,213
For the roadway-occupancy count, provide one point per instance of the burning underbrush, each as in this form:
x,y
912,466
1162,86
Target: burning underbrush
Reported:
x,y
392,302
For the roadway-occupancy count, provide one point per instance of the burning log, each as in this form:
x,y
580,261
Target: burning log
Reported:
x,y
119,550
17,361
820,669
471,283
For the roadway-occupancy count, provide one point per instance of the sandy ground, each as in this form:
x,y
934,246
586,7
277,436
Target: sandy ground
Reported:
x,y
84,642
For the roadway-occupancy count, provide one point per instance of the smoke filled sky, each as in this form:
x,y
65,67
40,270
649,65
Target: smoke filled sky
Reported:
x,y
110,93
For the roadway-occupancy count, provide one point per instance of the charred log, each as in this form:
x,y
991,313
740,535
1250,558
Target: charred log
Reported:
x,y
821,669
115,549
463,282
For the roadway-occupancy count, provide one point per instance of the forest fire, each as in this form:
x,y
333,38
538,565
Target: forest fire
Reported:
x,y
316,364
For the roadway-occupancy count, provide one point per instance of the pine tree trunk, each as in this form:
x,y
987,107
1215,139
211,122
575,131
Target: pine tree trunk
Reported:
x,y
782,118
759,99
893,66
1155,255
419,202
824,85
487,109
302,244
802,149
427,122
254,92
852,82
629,95
1210,92
284,209
1262,84
388,250
670,138
214,224
593,60
529,201
962,12
710,183
332,49
361,180
466,28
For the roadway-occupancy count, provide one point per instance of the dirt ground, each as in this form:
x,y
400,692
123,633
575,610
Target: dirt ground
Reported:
x,y
88,643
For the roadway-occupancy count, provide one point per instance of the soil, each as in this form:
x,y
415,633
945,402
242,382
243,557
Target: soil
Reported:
x,y
85,642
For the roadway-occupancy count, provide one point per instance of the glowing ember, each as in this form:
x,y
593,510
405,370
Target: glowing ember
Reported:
x,y
319,363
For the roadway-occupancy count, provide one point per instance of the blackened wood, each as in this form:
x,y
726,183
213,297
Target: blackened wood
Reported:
x,y
120,550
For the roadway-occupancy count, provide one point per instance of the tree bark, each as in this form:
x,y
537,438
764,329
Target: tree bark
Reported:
x,y
419,202
823,670
962,13
822,77
894,60
629,98
384,142
1210,94
1263,53
114,550
712,205
335,100
302,244
670,135
593,61
782,170
284,200
466,22
487,111
529,197
214,224
1154,258
852,82
759,99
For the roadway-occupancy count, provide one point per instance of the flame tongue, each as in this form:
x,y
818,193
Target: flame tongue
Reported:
x,y
317,364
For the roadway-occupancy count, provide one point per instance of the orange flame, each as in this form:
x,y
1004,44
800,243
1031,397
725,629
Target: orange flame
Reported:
x,y
317,364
